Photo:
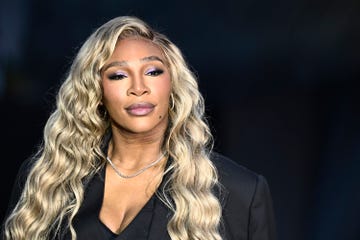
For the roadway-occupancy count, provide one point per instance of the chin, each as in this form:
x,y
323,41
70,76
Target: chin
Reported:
x,y
139,127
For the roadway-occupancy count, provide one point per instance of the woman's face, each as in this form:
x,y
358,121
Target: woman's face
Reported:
x,y
137,85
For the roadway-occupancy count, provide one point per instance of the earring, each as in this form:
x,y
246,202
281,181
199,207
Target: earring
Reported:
x,y
103,113
172,102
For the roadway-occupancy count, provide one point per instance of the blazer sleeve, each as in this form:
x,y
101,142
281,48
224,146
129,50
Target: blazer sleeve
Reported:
x,y
245,196
261,214
18,185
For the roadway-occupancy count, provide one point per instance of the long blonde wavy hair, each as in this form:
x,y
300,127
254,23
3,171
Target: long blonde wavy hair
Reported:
x,y
71,151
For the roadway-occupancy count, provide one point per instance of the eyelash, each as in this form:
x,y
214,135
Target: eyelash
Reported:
x,y
155,72
152,73
117,76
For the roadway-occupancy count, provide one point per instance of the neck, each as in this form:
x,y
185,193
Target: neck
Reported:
x,y
133,150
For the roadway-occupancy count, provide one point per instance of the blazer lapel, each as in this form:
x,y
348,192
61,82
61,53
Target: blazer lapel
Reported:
x,y
161,217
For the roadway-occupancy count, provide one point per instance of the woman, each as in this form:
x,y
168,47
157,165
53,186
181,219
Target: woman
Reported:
x,y
127,154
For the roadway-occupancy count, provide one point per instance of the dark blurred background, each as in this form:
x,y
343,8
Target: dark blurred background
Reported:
x,y
280,79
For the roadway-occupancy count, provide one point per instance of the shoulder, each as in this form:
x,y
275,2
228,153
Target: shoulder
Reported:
x,y
231,173
246,201
23,172
18,183
238,183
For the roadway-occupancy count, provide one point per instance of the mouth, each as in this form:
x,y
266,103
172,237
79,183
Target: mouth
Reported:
x,y
140,109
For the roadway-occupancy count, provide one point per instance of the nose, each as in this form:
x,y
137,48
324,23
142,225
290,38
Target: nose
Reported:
x,y
138,87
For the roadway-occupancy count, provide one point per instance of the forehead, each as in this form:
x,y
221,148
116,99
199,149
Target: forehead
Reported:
x,y
135,48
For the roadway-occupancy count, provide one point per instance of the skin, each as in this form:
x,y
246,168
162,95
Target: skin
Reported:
x,y
136,90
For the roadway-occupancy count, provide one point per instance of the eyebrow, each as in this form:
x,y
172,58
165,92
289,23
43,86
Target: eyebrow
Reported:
x,y
125,63
151,58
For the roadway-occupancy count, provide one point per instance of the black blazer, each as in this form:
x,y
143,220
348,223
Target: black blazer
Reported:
x,y
247,205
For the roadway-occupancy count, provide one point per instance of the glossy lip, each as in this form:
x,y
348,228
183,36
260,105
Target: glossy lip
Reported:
x,y
140,109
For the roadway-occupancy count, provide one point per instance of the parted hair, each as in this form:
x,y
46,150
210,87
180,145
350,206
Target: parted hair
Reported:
x,y
71,152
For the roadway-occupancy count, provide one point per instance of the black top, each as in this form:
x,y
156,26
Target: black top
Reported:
x,y
137,229
245,198
89,226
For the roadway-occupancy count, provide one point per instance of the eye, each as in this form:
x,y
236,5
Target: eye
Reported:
x,y
154,72
117,76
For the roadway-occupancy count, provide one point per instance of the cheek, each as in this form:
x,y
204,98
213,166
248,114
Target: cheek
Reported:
x,y
107,95
164,87
111,95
